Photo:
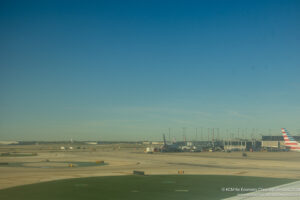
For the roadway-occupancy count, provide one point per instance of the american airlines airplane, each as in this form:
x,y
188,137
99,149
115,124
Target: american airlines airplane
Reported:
x,y
289,141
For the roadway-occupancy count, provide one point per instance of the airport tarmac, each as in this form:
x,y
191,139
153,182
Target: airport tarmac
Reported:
x,y
289,191
122,160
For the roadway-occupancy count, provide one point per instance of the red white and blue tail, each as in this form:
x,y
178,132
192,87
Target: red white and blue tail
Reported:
x,y
289,141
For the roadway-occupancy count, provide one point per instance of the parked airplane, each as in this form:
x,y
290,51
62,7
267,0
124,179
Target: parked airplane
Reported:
x,y
169,147
289,141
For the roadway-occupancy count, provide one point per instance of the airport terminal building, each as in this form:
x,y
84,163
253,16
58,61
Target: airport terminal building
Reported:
x,y
275,143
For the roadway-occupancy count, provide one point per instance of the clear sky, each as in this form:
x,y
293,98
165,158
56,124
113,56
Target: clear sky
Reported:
x,y
129,70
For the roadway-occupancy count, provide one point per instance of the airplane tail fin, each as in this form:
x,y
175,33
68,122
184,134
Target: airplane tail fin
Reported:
x,y
289,141
164,138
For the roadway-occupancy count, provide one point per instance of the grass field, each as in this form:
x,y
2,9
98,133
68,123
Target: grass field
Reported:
x,y
183,187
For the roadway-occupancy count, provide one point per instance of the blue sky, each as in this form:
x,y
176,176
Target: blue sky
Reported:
x,y
129,70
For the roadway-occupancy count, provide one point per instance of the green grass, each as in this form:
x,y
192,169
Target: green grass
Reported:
x,y
138,187
76,163
17,154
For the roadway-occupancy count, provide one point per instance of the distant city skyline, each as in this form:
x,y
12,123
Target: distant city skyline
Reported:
x,y
129,70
